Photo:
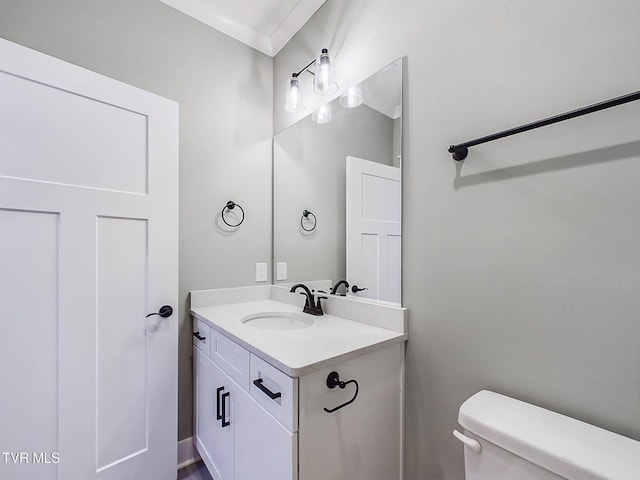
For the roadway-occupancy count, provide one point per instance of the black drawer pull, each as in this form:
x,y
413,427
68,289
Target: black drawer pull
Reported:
x,y
218,411
272,395
225,422
198,336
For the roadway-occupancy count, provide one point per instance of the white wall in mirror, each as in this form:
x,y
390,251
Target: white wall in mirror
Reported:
x,y
310,174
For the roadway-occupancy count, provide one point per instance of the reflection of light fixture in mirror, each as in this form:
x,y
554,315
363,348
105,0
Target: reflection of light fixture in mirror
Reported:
x,y
322,115
352,98
293,101
322,83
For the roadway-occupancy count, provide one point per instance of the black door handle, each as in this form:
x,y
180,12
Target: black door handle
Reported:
x,y
225,422
272,395
164,312
355,289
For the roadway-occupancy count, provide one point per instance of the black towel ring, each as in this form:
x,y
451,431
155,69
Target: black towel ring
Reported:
x,y
305,214
230,206
333,381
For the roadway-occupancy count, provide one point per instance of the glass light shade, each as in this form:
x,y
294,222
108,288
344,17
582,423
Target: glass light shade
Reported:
x,y
294,99
352,98
322,115
322,83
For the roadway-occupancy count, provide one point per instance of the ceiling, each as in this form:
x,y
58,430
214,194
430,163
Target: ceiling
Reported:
x,y
266,25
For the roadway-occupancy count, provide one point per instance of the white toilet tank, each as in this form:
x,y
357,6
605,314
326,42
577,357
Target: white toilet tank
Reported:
x,y
507,439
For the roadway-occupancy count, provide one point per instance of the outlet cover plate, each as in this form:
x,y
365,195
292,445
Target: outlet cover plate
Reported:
x,y
261,272
281,271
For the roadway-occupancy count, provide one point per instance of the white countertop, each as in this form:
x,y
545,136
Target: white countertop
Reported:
x,y
328,341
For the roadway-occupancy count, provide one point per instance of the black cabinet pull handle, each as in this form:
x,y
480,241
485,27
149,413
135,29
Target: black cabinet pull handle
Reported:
x,y
218,411
272,395
198,336
164,312
225,422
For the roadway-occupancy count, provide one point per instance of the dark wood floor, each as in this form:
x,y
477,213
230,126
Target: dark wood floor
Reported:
x,y
197,471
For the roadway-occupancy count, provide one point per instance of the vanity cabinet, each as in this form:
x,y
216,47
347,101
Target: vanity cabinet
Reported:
x,y
252,421
235,436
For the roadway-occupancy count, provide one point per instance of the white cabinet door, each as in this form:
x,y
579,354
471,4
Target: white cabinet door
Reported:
x,y
215,429
265,450
88,215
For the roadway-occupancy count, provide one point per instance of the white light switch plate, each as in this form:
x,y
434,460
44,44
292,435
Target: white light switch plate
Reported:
x,y
261,272
281,271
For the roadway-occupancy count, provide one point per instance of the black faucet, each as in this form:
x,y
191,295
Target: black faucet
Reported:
x,y
310,305
337,285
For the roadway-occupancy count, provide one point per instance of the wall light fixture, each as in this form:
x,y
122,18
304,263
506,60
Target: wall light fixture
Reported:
x,y
322,83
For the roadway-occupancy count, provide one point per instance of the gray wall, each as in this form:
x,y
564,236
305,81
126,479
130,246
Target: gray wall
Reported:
x,y
520,268
225,93
309,173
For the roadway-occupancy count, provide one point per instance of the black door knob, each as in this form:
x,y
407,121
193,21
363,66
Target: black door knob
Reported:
x,y
164,312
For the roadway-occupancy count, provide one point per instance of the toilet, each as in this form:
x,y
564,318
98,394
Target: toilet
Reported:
x,y
506,439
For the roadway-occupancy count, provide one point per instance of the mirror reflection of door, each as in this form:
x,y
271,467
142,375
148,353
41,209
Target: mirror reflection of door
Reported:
x,y
373,214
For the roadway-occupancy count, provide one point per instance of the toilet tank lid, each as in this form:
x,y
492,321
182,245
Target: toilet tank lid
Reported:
x,y
565,446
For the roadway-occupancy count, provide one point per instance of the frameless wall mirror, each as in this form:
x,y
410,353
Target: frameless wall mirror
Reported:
x,y
337,193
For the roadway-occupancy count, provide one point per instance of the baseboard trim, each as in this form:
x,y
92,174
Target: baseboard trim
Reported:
x,y
187,453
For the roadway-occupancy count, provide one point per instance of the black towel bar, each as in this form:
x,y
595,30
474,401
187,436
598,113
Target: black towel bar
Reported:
x,y
460,151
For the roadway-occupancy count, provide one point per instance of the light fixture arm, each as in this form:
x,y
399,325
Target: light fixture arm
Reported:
x,y
312,62
306,69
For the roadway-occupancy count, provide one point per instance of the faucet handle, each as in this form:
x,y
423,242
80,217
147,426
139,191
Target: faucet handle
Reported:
x,y
317,295
319,304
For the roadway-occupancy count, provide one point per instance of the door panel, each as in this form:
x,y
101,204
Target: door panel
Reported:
x,y
370,265
373,224
99,159
382,195
28,335
122,354
84,155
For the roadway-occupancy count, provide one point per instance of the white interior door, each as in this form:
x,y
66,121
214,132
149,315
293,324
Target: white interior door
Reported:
x,y
374,199
88,247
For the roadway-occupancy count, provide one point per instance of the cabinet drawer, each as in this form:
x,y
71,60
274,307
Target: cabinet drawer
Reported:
x,y
230,357
276,392
201,335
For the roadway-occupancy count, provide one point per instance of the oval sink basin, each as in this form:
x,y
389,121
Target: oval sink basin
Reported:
x,y
278,320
